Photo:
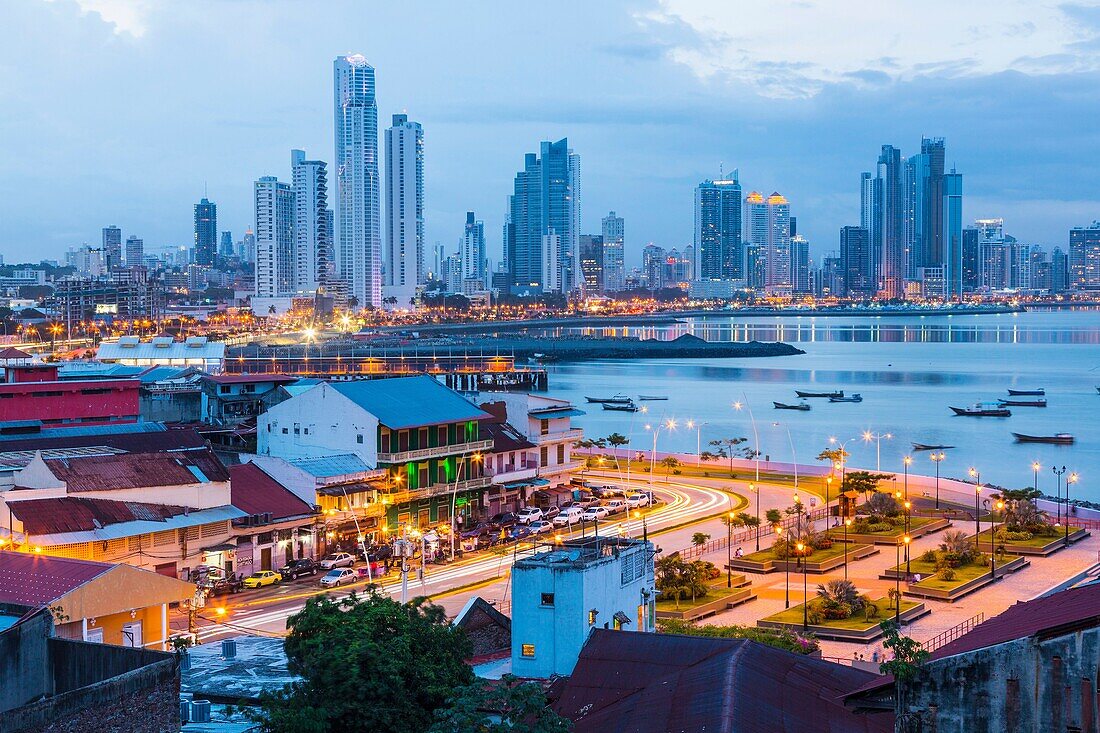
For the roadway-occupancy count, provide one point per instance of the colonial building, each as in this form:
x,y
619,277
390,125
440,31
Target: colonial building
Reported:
x,y
546,423
278,526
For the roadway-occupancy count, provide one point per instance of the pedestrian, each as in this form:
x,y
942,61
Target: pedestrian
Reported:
x,y
874,656
740,553
916,577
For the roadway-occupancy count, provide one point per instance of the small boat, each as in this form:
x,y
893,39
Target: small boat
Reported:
x,y
1057,439
982,409
854,398
1027,392
1022,403
829,395
619,399
620,406
782,406
926,446
651,397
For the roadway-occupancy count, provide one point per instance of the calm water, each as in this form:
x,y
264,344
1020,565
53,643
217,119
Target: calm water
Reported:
x,y
909,370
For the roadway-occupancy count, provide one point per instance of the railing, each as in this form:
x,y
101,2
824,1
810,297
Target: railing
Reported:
x,y
721,543
441,450
953,633
401,497
573,434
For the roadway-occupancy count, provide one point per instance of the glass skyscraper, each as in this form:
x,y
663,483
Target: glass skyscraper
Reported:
x,y
719,249
543,214
403,257
206,232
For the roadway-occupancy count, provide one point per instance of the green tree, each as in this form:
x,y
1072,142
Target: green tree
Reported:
x,y
773,516
833,455
699,539
367,664
862,481
616,441
747,519
669,462
511,706
725,448
908,659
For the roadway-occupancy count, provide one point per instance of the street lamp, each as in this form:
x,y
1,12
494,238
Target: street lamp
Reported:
x,y
897,578
1071,479
977,476
828,485
908,507
729,550
1035,471
1000,505
805,593
698,427
753,488
476,458
786,567
669,424
868,436
1058,472
756,447
847,523
905,464
937,458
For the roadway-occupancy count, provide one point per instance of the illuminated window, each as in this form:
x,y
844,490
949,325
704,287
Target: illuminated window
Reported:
x,y
592,617
527,650
547,599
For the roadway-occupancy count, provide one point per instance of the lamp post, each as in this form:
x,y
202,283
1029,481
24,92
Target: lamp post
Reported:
x,y
669,424
805,593
729,550
786,568
868,436
992,549
1058,472
937,458
905,465
908,507
753,488
977,476
1071,479
476,458
828,485
1035,471
798,523
755,437
847,523
698,427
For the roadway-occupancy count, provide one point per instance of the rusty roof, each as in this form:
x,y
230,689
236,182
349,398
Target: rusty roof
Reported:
x,y
249,378
631,682
254,491
77,514
138,470
37,580
139,440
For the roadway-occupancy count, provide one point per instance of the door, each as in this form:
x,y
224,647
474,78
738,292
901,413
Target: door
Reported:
x,y
131,634
95,635
265,558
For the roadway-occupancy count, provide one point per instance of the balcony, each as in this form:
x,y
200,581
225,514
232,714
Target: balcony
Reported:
x,y
517,471
423,454
401,497
571,435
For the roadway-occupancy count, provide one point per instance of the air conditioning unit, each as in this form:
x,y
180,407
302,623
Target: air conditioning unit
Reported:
x,y
185,711
200,711
229,648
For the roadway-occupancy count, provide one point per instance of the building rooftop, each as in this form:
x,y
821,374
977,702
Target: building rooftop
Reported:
x,y
577,553
260,665
69,519
253,491
340,464
409,402
136,470
250,378
160,348
28,579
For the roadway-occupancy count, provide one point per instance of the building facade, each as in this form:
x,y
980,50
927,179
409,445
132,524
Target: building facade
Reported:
x,y
474,262
112,246
769,228
403,255
276,263
857,262
313,251
544,203
719,249
1084,257
206,232
613,239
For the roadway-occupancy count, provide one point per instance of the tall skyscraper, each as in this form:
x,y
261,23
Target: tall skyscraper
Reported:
x,y
867,201
112,247
1059,270
994,255
948,238
969,260
856,262
225,249
135,251
248,246
543,203
313,266
614,269
719,249
591,256
276,264
1084,257
206,232
403,254
359,251
801,281
473,250
770,230
887,236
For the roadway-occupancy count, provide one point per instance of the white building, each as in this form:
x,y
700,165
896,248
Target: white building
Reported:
x,y
313,265
196,351
614,273
552,265
403,257
770,230
560,595
473,252
547,423
358,224
276,265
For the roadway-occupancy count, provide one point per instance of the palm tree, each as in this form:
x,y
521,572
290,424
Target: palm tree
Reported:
x,y
616,441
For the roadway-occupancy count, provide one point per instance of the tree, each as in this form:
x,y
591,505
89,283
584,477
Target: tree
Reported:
x,y
773,516
510,706
725,448
909,657
669,462
862,481
748,519
616,441
833,455
699,539
367,663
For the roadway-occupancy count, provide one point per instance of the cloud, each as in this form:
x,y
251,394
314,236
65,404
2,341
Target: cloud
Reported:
x,y
127,17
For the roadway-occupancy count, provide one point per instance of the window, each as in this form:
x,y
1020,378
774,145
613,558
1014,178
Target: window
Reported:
x,y
527,650
561,453
544,427
359,438
297,428
285,431
544,456
547,599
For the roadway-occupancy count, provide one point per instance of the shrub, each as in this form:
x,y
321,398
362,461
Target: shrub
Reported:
x,y
883,504
779,638
950,560
860,526
814,614
955,541
881,527
836,611
929,556
1014,536
947,574
822,542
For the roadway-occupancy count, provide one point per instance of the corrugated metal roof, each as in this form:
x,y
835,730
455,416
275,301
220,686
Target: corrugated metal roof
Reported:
x,y
335,465
138,526
253,491
77,514
408,402
248,378
553,412
160,350
138,470
37,580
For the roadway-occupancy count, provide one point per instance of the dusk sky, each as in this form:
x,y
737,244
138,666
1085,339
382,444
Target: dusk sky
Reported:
x,y
121,111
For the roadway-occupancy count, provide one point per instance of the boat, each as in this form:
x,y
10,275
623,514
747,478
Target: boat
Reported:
x,y
620,406
854,398
828,395
982,409
1056,439
782,406
1027,392
619,399
926,446
651,397
1022,403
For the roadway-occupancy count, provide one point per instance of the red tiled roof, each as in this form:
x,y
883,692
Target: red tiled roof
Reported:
x,y
36,580
253,491
249,378
77,514
13,353
138,470
135,442
656,683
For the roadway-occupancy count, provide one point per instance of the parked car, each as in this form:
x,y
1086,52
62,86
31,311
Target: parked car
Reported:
x,y
529,514
594,513
222,586
603,492
587,501
550,512
502,519
297,568
262,578
539,526
337,577
568,516
568,505
637,500
337,560
519,532
614,506
478,529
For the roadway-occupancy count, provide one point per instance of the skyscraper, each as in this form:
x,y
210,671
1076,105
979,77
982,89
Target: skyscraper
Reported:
x,y
225,249
403,255
614,270
1059,270
206,232
969,260
719,250
1084,257
473,251
543,204
770,230
112,247
359,251
887,236
275,261
591,255
948,238
248,246
313,266
856,262
801,281
135,251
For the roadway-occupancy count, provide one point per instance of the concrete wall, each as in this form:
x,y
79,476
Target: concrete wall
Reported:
x,y
24,662
327,422
184,407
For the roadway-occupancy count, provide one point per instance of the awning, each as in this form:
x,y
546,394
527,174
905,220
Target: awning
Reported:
x,y
527,482
221,547
553,412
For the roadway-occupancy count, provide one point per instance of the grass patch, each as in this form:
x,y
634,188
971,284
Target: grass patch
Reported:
x,y
837,550
858,622
963,574
898,531
1037,541
717,590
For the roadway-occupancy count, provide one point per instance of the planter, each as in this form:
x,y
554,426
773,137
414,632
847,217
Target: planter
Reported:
x,y
861,634
964,588
815,567
916,531
709,607
1035,549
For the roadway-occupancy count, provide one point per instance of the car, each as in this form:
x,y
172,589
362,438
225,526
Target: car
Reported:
x,y
595,513
262,578
614,506
550,512
638,500
586,501
337,560
539,526
568,505
568,516
528,514
297,568
519,531
222,586
337,577
502,519
478,529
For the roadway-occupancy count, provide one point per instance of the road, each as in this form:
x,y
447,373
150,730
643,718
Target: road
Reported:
x,y
266,610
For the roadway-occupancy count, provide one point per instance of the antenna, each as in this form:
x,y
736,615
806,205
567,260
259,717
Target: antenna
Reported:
x,y
721,171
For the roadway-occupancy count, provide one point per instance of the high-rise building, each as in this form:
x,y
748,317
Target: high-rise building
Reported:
x,y
867,201
994,255
1084,257
206,232
112,247
313,266
948,239
276,264
857,262
543,204
614,269
591,255
769,227
473,250
653,259
927,247
969,260
247,246
135,251
1059,270
403,254
225,248
801,281
358,226
887,236
830,282
719,249
1022,272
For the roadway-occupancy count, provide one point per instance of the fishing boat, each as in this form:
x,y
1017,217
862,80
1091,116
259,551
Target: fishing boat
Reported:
x,y
1056,439
620,406
926,446
854,398
619,399
801,406
1022,403
828,395
982,409
651,397
1027,392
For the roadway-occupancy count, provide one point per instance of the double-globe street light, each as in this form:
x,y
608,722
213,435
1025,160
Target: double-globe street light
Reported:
x,y
756,460
669,424
868,436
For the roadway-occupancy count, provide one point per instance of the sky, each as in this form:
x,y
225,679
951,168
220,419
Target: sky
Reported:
x,y
126,111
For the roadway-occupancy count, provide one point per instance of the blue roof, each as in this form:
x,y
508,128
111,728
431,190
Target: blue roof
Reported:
x,y
157,373
69,432
337,465
301,386
409,402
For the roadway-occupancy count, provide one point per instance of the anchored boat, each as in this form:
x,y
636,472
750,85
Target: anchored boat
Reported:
x,y
1056,439
926,446
1027,392
801,406
854,398
982,409
619,399
829,395
1022,403
621,407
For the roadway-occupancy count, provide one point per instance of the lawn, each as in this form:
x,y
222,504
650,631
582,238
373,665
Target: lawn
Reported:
x,y
858,622
1037,541
718,589
818,555
898,531
963,574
